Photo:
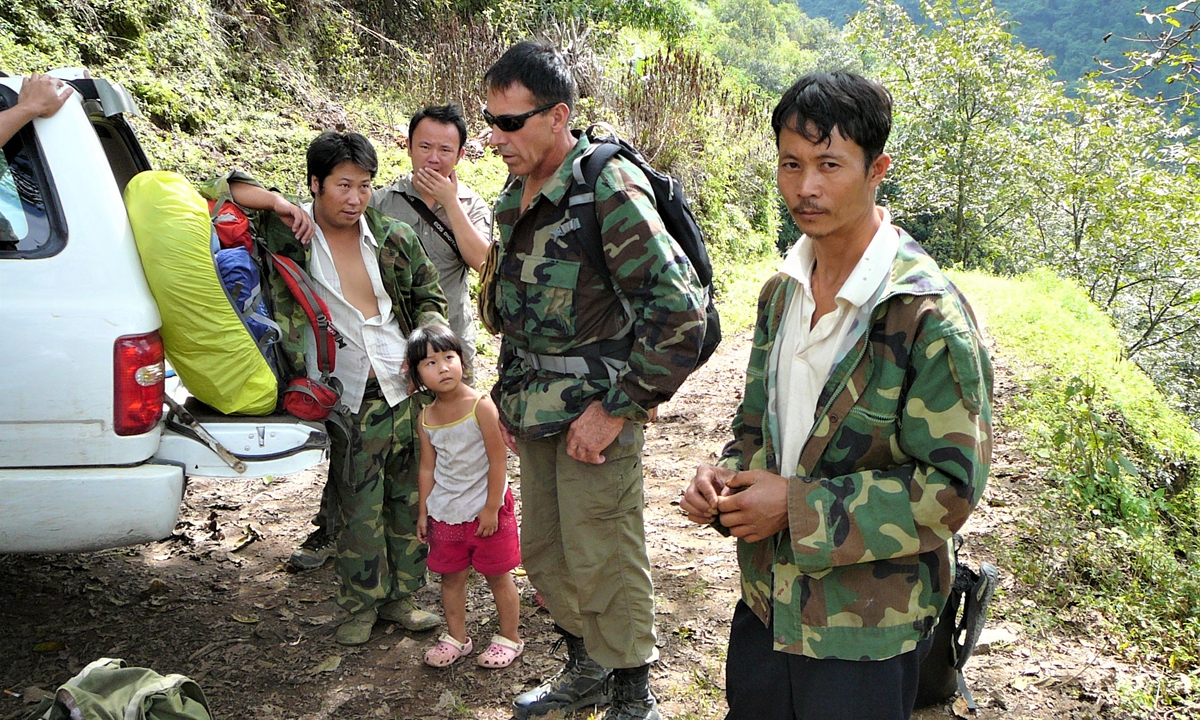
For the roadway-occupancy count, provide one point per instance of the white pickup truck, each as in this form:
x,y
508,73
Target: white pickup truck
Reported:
x,y
87,459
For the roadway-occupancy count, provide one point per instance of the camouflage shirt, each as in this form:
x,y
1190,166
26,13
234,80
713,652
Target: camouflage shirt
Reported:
x,y
410,279
551,301
896,461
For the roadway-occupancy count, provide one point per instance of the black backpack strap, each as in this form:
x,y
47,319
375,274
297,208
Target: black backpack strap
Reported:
x,y
439,227
582,206
586,171
977,589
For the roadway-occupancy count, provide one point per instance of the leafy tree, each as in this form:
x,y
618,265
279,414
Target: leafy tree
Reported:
x,y
962,87
1112,208
1174,54
772,44
1073,33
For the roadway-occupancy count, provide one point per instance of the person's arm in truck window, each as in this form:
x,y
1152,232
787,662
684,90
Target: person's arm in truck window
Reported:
x,y
41,96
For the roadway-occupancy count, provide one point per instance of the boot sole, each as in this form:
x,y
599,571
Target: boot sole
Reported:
x,y
301,563
597,699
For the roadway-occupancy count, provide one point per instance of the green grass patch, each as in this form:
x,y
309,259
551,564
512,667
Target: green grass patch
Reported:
x,y
738,281
1111,549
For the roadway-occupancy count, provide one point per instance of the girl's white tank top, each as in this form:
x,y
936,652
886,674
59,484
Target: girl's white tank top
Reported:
x,y
461,472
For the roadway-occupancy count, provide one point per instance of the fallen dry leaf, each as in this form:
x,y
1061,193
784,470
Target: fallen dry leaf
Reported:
x,y
51,646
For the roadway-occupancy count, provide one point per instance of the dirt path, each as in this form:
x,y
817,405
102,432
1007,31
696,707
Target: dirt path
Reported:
x,y
214,602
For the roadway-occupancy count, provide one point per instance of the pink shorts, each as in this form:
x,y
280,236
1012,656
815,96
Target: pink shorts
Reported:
x,y
455,547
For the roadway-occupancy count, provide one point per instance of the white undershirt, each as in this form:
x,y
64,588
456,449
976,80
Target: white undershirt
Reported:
x,y
806,357
375,344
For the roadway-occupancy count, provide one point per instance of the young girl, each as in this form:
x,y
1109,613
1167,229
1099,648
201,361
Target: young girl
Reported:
x,y
466,509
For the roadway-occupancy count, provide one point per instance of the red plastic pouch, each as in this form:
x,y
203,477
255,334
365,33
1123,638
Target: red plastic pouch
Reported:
x,y
231,224
309,399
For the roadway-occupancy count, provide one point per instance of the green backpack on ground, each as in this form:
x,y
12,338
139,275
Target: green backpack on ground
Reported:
x,y
107,690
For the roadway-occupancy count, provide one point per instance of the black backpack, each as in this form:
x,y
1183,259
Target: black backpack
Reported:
x,y
672,206
957,632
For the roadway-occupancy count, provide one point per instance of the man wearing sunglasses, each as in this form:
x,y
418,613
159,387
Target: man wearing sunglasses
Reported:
x,y
581,366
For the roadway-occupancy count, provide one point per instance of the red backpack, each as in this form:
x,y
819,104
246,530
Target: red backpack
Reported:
x,y
304,397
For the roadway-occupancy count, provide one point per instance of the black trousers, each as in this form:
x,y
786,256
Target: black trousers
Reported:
x,y
764,684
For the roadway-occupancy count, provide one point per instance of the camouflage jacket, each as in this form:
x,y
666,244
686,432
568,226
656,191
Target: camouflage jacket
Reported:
x,y
551,301
410,279
897,459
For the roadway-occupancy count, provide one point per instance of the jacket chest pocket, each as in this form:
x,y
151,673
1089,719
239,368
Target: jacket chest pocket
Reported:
x,y
549,296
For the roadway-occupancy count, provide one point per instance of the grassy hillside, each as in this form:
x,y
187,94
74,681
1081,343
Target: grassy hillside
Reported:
x,y
1114,544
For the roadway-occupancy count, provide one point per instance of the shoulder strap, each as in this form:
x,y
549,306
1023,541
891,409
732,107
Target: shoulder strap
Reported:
x,y
582,206
301,286
445,233
586,171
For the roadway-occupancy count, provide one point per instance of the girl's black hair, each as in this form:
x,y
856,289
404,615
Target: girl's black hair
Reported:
x,y
440,337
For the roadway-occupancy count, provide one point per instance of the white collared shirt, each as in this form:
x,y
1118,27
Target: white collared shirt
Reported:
x,y
368,344
807,357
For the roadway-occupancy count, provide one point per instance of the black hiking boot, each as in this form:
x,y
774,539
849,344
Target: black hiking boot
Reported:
x,y
581,682
631,697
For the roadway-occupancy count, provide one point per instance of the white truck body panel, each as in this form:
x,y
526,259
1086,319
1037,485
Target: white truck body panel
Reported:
x,y
62,314
81,509
68,482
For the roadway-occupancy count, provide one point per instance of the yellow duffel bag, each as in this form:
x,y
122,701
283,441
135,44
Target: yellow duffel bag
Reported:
x,y
206,342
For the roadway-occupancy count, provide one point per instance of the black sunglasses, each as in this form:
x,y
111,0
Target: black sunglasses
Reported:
x,y
513,123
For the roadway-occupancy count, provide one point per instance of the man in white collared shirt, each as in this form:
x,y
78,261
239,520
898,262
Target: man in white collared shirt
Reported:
x,y
862,442
379,285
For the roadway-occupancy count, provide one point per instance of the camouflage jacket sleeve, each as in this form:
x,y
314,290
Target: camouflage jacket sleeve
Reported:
x,y
847,510
652,272
408,274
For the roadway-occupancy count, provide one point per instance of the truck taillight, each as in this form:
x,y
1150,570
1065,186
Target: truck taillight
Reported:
x,y
138,383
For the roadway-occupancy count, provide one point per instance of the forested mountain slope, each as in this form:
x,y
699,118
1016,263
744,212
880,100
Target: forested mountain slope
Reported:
x,y
1073,31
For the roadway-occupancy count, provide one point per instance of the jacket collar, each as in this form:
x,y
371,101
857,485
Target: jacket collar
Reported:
x,y
914,272
556,187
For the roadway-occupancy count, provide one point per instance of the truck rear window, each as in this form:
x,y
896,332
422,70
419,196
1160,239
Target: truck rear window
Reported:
x,y
28,211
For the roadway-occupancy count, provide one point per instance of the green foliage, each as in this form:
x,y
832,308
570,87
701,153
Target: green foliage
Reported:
x,y
1170,57
1114,542
1073,33
1112,204
772,43
738,281
1049,322
675,108
961,87
1102,480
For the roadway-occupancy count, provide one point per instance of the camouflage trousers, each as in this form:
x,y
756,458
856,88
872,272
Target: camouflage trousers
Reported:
x,y
379,558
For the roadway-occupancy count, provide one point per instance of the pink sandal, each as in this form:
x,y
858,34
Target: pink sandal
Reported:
x,y
501,653
447,651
